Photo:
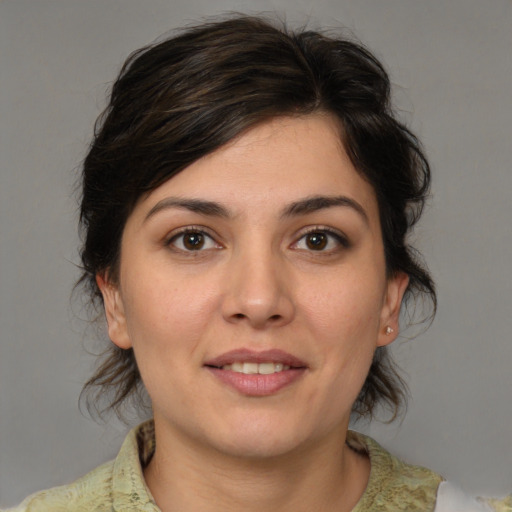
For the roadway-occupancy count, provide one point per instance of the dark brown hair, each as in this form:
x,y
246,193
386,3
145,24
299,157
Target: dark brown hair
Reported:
x,y
185,97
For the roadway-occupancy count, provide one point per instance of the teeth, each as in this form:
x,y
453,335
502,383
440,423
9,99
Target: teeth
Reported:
x,y
266,368
255,368
237,367
250,368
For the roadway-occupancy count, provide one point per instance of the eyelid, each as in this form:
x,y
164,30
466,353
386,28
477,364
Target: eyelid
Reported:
x,y
203,230
340,237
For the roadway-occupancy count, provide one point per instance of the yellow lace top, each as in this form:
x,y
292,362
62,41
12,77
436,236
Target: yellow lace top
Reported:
x,y
119,485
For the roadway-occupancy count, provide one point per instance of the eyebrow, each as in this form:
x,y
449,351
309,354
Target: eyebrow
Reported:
x,y
295,209
209,208
316,203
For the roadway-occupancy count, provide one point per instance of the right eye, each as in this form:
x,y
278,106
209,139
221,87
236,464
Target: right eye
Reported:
x,y
322,240
190,240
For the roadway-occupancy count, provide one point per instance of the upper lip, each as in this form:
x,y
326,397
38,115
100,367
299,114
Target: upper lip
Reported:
x,y
251,356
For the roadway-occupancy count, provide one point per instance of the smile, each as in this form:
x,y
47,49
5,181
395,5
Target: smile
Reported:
x,y
256,374
252,362
249,368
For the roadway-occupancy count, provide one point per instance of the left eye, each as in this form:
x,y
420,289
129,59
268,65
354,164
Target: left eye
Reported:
x,y
193,241
320,240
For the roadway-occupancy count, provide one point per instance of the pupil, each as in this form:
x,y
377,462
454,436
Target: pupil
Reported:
x,y
317,241
193,241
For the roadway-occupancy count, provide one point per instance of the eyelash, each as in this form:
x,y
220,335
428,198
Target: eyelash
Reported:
x,y
193,230
339,238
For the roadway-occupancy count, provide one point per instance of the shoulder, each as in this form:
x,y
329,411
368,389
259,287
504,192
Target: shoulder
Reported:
x,y
92,492
450,498
394,485
501,505
116,485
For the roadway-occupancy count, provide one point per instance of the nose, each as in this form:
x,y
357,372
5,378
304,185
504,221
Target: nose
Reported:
x,y
258,291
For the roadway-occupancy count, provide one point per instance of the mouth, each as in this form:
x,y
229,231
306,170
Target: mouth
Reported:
x,y
249,368
256,373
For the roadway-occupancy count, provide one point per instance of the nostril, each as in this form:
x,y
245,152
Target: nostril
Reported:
x,y
239,315
275,317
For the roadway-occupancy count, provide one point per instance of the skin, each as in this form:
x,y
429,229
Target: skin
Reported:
x,y
259,283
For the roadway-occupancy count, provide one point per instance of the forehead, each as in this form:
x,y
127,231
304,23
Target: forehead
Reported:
x,y
273,164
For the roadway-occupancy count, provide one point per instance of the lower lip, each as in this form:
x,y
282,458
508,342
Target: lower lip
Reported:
x,y
257,384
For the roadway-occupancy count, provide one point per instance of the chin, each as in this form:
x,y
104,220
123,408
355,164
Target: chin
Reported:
x,y
257,447
259,439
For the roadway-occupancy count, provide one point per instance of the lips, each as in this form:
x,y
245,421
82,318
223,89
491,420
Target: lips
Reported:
x,y
256,373
266,356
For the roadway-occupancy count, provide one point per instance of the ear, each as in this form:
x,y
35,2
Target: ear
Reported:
x,y
114,311
389,319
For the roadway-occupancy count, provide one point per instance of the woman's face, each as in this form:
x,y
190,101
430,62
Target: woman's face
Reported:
x,y
253,290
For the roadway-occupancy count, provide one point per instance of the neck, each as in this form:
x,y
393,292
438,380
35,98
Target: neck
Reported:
x,y
325,476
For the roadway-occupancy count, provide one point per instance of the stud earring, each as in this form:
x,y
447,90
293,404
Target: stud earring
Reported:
x,y
389,330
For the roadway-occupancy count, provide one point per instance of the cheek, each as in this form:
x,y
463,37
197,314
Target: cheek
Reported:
x,y
166,321
167,315
344,321
343,308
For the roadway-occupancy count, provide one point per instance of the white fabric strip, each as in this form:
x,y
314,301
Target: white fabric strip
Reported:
x,y
451,498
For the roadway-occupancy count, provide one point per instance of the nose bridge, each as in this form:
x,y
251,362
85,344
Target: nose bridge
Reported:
x,y
257,289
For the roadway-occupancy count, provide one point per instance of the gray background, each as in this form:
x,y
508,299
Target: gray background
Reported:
x,y
451,63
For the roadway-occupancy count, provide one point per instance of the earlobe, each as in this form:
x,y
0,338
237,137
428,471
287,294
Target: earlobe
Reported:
x,y
114,311
389,322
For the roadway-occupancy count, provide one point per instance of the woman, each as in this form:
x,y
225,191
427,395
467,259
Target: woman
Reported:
x,y
246,205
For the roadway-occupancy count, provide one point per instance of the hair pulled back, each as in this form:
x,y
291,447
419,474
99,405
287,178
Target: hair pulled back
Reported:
x,y
183,98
